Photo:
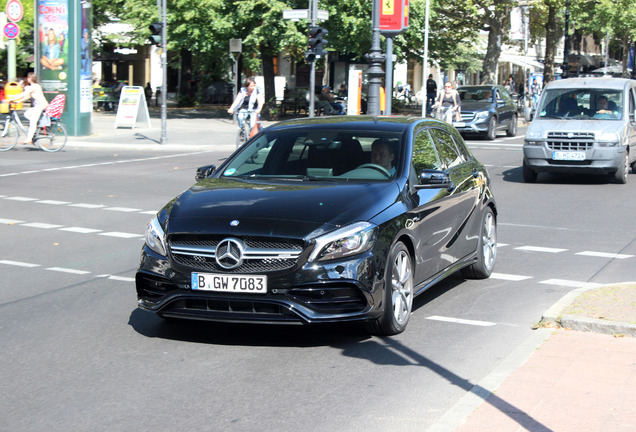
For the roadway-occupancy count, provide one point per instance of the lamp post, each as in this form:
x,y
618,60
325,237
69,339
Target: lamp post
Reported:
x,y
375,70
566,42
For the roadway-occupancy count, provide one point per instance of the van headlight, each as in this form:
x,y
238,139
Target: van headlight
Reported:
x,y
349,240
155,237
534,138
608,139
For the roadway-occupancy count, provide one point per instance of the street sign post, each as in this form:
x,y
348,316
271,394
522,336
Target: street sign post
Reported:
x,y
11,30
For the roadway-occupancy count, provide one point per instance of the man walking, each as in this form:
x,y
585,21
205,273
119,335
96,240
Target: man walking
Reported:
x,y
431,93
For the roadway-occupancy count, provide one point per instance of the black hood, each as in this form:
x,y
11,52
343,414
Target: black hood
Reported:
x,y
275,209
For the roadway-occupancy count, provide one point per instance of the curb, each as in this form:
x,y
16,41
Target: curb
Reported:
x,y
553,316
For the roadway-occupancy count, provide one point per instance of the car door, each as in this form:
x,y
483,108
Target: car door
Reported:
x,y
504,107
631,123
436,213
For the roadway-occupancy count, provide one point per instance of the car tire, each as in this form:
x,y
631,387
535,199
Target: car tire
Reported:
x,y
398,293
491,133
529,175
486,248
620,176
512,130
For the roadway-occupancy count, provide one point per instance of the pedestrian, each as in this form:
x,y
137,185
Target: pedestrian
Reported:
x,y
32,91
431,93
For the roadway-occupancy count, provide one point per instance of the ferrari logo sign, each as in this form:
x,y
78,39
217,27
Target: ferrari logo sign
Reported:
x,y
394,17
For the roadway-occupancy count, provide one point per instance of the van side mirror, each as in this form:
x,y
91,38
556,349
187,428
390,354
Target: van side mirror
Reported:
x,y
434,179
204,171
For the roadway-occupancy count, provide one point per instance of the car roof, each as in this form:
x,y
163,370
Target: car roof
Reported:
x,y
353,122
485,87
591,82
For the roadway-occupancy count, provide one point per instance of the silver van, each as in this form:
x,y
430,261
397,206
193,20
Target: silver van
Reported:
x,y
583,125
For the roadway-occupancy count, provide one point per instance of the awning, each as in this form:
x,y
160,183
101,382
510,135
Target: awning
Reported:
x,y
522,61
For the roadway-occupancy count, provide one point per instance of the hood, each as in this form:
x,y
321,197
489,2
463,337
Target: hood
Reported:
x,y
598,126
468,106
275,209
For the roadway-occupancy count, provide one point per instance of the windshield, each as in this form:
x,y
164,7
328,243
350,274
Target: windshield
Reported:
x,y
600,104
310,154
476,94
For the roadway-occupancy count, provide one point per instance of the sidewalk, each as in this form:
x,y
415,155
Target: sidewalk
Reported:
x,y
574,379
194,129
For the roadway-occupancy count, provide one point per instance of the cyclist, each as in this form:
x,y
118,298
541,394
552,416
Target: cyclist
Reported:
x,y
32,91
449,100
247,100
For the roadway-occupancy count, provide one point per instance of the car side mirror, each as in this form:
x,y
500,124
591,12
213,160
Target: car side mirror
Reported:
x,y
204,171
434,179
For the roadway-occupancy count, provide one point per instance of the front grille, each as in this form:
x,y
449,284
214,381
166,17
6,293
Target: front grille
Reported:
x,y
231,310
467,117
261,254
570,141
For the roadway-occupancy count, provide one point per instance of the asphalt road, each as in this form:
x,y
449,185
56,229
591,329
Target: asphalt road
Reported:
x,y
78,355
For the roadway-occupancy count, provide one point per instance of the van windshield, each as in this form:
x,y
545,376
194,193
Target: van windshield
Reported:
x,y
602,104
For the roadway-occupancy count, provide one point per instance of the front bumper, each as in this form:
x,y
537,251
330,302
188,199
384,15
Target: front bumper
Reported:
x,y
471,126
340,291
598,160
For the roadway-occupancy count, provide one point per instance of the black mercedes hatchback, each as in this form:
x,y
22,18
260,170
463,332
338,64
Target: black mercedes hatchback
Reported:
x,y
343,218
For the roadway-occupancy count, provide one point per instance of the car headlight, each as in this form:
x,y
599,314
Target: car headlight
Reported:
x,y
608,139
155,237
530,135
350,240
481,115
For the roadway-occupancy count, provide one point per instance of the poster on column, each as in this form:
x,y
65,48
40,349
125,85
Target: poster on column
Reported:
x,y
53,45
86,61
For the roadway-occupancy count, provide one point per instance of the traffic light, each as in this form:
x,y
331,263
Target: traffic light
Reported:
x,y
155,37
316,43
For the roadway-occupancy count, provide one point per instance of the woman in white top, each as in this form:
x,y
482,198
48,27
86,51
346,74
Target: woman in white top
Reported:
x,y
32,91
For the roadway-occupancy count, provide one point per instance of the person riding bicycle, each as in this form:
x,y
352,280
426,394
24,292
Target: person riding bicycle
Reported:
x,y
448,99
247,99
32,91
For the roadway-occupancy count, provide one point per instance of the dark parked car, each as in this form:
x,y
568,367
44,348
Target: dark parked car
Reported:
x,y
342,218
486,110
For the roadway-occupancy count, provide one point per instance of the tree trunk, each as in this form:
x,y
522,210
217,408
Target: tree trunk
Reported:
x,y
267,61
496,22
550,45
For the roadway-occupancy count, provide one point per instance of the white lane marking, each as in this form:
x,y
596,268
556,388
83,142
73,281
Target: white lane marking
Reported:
x,y
509,277
604,255
88,206
19,198
68,270
18,263
53,202
117,278
80,230
120,234
462,321
535,226
570,283
41,225
540,249
10,221
122,209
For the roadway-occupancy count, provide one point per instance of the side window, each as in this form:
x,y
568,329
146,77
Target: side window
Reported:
x,y
424,154
632,104
446,149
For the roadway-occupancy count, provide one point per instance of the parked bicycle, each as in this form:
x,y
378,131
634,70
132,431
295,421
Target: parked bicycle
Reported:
x,y
50,134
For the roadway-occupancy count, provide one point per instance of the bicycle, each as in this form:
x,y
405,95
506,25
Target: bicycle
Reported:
x,y
244,119
49,137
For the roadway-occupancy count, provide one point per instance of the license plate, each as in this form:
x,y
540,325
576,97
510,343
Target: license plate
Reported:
x,y
459,124
229,283
568,156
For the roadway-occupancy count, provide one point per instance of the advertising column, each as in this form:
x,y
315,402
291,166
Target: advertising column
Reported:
x,y
64,58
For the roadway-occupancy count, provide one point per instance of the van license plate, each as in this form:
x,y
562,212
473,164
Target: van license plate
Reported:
x,y
568,156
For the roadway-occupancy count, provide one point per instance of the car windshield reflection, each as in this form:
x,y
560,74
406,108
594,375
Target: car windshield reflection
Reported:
x,y
582,103
312,155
